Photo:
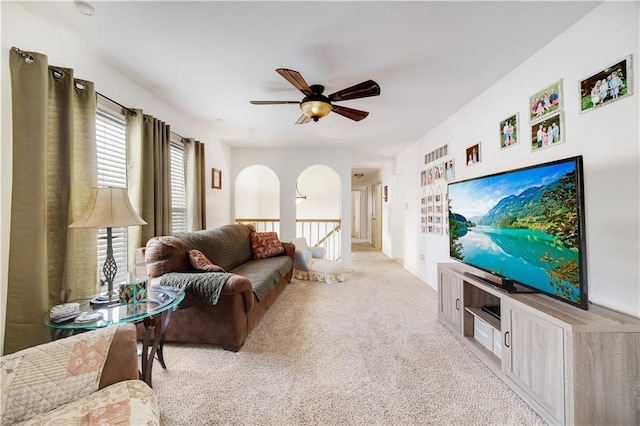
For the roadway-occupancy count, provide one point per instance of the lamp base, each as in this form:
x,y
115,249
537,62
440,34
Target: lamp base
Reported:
x,y
105,298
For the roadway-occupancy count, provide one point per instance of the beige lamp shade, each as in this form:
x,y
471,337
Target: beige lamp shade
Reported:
x,y
108,208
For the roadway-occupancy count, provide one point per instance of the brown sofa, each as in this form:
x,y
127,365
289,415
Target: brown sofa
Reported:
x,y
89,378
251,285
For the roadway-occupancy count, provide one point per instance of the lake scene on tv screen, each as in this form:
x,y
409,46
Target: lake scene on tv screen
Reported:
x,y
522,225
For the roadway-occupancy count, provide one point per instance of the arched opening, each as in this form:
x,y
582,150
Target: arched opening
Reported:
x,y
318,216
257,198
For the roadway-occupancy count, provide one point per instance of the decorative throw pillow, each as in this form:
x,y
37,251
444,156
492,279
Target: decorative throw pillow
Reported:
x,y
200,262
265,244
165,254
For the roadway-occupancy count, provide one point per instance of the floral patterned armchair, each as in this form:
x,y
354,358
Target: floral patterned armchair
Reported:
x,y
90,378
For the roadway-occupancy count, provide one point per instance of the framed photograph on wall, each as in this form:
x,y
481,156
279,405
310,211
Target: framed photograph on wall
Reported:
x,y
509,131
473,154
216,179
608,85
449,170
545,102
547,132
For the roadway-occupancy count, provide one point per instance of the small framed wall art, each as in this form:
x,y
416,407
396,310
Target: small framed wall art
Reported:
x,y
473,154
607,85
547,132
509,131
545,102
216,178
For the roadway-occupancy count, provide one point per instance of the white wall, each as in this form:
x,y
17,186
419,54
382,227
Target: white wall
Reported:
x,y
393,213
23,30
257,193
607,137
288,164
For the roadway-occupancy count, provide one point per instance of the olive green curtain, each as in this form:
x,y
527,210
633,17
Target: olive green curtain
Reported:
x,y
148,177
195,184
54,169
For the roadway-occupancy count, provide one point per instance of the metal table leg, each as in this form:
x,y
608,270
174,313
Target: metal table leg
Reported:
x,y
149,355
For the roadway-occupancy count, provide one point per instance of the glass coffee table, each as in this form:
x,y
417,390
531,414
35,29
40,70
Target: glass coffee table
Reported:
x,y
154,312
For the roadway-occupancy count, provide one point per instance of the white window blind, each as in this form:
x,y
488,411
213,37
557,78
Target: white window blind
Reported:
x,y
112,171
178,191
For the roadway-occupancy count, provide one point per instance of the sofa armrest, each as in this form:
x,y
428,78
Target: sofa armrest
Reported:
x,y
289,250
302,260
237,284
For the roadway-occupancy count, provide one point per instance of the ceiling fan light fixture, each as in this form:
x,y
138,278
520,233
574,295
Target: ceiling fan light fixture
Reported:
x,y
315,109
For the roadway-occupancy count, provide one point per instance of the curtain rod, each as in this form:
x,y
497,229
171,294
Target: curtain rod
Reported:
x,y
29,58
133,111
117,103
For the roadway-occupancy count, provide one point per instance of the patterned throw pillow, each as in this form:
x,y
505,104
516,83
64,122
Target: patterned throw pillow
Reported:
x,y
200,262
265,244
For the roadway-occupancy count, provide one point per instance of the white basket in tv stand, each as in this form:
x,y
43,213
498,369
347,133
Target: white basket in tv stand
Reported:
x,y
570,365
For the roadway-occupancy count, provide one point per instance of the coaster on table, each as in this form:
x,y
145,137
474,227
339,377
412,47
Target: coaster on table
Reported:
x,y
58,320
64,310
88,317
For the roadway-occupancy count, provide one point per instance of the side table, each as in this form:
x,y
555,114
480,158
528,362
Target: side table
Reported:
x,y
154,312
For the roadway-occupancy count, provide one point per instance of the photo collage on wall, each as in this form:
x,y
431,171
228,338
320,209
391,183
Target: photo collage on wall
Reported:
x,y
546,117
433,203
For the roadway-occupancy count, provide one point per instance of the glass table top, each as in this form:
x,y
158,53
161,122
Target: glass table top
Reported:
x,y
158,300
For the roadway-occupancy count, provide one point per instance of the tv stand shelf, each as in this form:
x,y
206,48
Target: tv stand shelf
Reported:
x,y
570,365
477,312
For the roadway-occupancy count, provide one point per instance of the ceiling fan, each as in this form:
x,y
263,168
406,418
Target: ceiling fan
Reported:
x,y
315,105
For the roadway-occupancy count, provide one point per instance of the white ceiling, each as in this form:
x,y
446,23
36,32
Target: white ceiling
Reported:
x,y
209,59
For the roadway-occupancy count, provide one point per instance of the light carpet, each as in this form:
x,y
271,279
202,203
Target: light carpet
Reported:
x,y
366,351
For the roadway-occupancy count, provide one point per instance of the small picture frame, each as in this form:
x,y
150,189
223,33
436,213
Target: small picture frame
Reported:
x,y
449,170
545,102
509,131
473,154
423,178
547,132
608,85
216,178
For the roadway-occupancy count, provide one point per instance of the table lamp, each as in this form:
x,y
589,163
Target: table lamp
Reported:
x,y
108,208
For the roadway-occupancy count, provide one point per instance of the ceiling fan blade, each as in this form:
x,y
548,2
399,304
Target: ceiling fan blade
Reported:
x,y
295,78
274,102
361,90
303,119
353,114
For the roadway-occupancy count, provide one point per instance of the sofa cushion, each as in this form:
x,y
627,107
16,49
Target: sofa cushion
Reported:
x,y
227,246
200,262
166,254
265,244
264,273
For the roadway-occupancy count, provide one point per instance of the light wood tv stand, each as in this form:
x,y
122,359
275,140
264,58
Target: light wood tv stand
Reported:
x,y
572,366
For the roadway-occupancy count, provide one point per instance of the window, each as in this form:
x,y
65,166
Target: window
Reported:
x,y
112,171
178,191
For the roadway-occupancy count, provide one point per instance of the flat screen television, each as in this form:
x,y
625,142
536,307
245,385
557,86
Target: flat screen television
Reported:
x,y
525,226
